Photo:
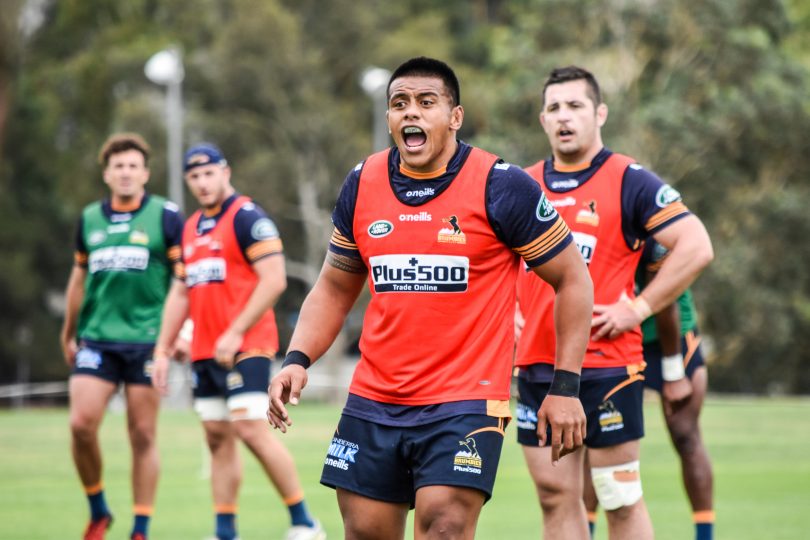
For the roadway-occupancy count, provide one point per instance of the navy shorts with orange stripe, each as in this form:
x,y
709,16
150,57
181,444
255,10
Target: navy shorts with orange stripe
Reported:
x,y
389,463
692,359
613,407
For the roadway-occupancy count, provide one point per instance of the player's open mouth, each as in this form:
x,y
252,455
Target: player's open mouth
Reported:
x,y
566,133
413,136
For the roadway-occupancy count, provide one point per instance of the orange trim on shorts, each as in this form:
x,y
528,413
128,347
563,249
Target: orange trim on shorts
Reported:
x,y
142,510
498,429
251,353
630,380
294,499
592,517
692,342
703,516
225,508
94,489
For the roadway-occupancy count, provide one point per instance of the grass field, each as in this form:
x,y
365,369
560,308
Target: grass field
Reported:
x,y
760,449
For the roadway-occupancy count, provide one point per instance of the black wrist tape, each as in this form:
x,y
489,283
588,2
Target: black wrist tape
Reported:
x,y
564,383
296,358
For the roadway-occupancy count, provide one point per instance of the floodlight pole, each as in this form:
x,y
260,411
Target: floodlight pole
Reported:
x,y
166,68
374,81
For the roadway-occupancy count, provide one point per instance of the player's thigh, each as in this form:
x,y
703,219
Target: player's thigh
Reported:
x,y
89,396
614,455
143,403
247,389
614,407
364,517
566,476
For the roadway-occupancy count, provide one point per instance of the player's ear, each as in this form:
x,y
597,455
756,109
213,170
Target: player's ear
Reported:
x,y
601,114
456,118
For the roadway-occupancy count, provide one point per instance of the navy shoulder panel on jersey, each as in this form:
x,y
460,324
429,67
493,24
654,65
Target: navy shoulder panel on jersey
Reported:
x,y
172,224
522,217
343,215
252,225
648,204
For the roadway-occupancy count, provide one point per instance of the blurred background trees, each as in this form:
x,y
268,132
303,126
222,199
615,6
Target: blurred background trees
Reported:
x,y
710,94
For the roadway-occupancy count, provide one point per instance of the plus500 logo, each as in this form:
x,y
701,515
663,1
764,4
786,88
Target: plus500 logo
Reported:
x,y
419,273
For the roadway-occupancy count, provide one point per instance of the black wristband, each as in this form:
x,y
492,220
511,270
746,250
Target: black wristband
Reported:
x,y
564,383
296,358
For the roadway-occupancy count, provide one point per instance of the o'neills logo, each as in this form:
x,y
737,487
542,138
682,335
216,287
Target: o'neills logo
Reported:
x,y
380,228
421,216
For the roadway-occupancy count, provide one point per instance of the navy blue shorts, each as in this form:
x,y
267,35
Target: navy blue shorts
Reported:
x,y
613,407
209,379
114,364
389,463
692,359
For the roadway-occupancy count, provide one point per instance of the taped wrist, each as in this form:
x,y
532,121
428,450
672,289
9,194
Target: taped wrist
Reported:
x,y
564,383
296,358
672,368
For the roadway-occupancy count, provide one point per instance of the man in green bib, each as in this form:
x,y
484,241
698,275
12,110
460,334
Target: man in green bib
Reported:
x,y
126,248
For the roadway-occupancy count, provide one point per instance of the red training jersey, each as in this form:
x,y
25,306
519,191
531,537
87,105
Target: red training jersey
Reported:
x,y
220,280
593,211
439,326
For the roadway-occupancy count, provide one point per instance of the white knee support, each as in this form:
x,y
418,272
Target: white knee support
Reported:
x,y
617,486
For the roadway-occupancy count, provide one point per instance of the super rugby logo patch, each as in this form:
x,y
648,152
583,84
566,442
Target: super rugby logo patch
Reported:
x,y
545,211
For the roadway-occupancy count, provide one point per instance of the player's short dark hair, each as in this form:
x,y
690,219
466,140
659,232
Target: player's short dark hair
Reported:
x,y
574,73
422,66
121,142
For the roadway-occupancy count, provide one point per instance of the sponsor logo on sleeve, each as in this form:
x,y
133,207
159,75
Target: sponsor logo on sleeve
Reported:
x,y
666,195
264,229
545,210
380,228
341,454
402,273
118,259
208,270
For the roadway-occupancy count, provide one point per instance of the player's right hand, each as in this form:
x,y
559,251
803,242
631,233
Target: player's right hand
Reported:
x,y
285,388
566,418
160,371
69,350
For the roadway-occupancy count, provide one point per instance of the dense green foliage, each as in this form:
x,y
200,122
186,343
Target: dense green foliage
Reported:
x,y
711,94
756,495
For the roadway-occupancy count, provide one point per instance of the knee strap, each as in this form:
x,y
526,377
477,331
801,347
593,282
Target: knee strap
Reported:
x,y
617,486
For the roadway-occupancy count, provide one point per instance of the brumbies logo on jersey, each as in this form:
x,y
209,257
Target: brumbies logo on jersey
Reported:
x,y
341,454
118,259
208,270
419,273
588,214
468,460
610,419
452,234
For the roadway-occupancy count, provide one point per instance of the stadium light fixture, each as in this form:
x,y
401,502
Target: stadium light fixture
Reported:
x,y
166,69
374,82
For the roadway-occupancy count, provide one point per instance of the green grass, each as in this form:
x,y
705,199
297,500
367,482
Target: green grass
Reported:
x,y
760,449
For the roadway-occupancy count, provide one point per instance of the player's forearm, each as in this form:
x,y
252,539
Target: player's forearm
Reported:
x,y
668,327
324,310
264,297
74,295
573,308
175,312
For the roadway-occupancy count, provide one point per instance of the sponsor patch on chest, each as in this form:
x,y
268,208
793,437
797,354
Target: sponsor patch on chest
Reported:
x,y
118,259
419,273
208,270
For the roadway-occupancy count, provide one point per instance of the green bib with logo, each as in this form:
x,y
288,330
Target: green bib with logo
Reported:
x,y
128,274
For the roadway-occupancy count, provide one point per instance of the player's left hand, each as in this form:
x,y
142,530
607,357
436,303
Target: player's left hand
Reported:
x,y
567,420
612,320
226,348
